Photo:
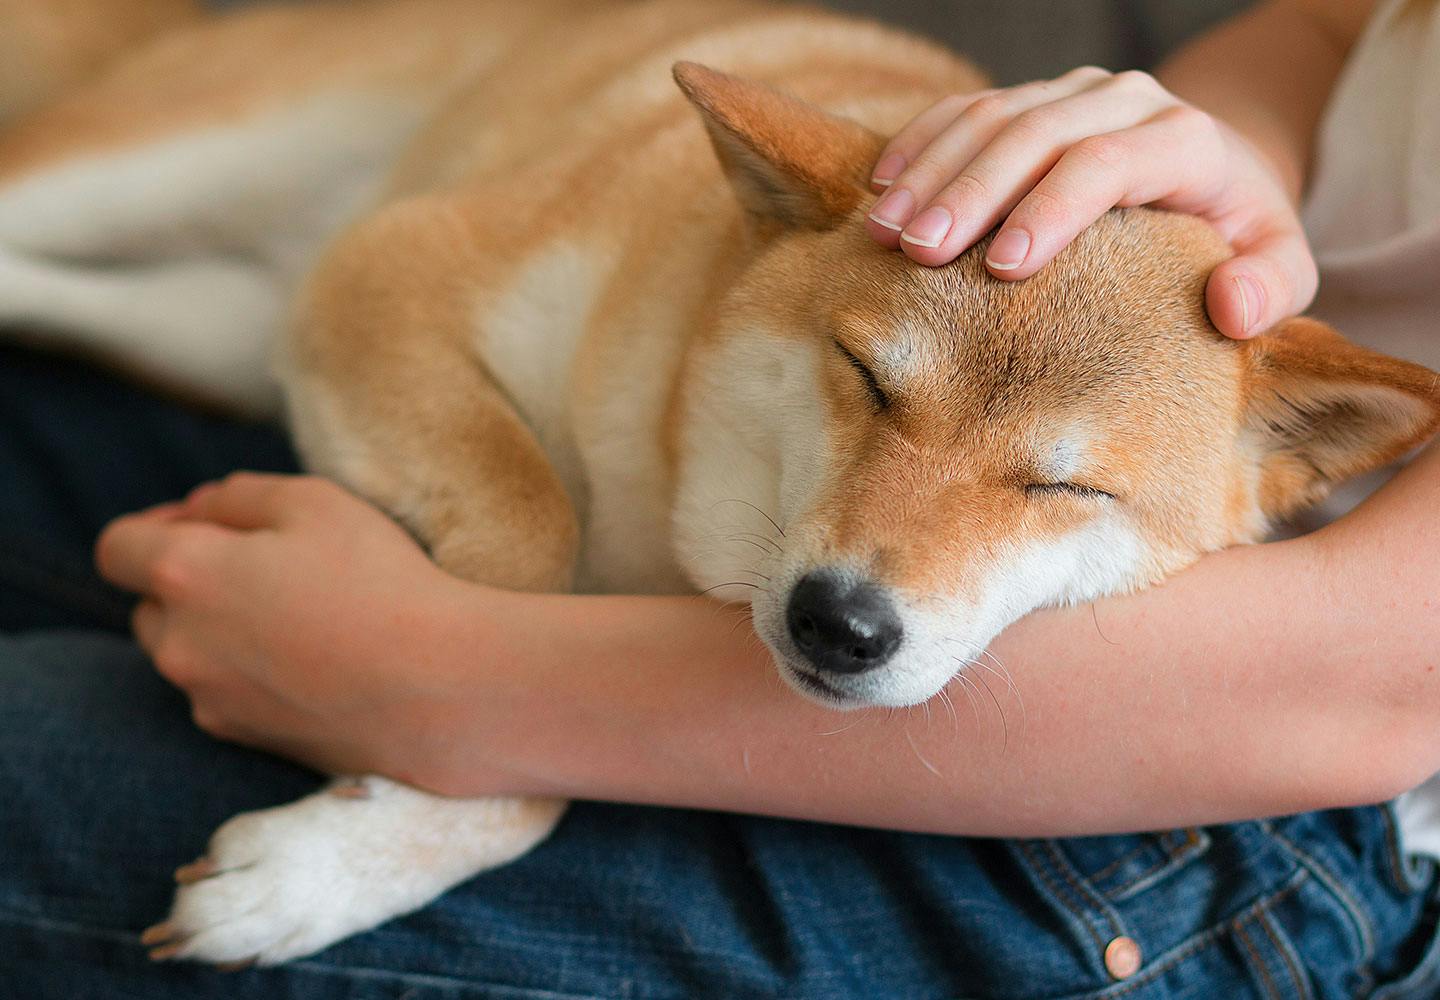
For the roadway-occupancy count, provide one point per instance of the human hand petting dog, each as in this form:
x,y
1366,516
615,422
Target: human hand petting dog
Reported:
x,y
1044,160
280,605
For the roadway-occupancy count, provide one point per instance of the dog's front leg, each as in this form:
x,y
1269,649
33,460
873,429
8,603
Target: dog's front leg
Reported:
x,y
285,882
408,420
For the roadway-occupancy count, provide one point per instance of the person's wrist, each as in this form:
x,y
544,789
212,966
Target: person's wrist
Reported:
x,y
455,710
416,675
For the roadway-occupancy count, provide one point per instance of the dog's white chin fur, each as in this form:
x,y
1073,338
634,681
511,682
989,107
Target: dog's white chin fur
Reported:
x,y
834,695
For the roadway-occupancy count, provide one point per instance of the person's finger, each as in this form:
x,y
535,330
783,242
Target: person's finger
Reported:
x,y
1025,151
1090,178
127,549
947,151
147,622
247,501
1271,279
918,133
156,556
172,510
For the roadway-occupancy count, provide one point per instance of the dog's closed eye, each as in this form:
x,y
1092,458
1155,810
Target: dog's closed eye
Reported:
x,y
1072,489
872,384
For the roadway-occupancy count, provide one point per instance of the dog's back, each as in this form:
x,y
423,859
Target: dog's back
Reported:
x,y
212,164
536,162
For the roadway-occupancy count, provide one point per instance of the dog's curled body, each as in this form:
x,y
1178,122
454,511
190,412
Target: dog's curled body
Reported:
x,y
572,338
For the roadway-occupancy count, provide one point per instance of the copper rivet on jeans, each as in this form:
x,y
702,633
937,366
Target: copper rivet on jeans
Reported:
x,y
1122,958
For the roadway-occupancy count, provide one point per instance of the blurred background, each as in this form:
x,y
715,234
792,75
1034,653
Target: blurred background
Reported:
x,y
1019,40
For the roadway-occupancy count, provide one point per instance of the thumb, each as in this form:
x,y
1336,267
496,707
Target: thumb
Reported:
x,y
1269,280
247,501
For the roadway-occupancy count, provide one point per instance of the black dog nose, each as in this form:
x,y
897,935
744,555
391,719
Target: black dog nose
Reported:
x,y
842,627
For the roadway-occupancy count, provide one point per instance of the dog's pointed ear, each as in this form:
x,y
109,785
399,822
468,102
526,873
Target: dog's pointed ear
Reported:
x,y
788,161
1323,410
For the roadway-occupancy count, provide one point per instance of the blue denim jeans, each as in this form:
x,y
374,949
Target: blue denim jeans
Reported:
x,y
105,787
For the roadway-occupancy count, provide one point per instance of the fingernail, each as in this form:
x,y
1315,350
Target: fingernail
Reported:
x,y
195,871
1252,301
1008,249
157,934
929,228
893,210
889,168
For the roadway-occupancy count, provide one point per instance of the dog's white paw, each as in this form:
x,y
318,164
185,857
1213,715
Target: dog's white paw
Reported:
x,y
286,882
278,884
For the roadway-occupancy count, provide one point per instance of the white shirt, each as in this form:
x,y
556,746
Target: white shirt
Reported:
x,y
1373,216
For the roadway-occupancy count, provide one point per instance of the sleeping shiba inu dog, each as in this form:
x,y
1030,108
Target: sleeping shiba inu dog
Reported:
x,y
575,335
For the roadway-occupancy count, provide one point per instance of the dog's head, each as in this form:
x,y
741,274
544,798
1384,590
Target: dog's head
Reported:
x,y
896,462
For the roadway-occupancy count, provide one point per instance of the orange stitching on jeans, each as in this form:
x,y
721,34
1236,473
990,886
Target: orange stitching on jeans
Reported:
x,y
1173,853
1173,856
1302,984
1058,891
1244,939
1085,893
1115,865
1359,919
1202,940
1399,867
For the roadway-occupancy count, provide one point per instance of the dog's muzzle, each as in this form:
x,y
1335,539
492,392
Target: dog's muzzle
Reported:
x,y
842,626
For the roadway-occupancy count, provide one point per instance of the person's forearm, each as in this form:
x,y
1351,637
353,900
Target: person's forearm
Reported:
x,y
1268,73
1267,679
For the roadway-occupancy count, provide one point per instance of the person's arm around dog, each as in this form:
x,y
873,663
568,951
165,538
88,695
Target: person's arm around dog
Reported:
x,y
1224,130
1267,679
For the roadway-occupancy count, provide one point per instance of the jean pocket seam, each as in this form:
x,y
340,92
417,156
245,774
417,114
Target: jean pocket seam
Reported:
x,y
1285,948
1403,869
1067,889
1202,939
1117,864
1257,962
1360,923
1195,844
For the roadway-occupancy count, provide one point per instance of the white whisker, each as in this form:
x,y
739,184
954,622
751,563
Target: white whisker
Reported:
x,y
921,757
965,685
